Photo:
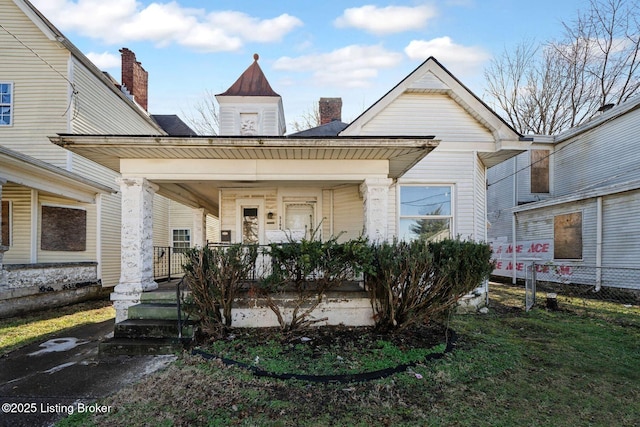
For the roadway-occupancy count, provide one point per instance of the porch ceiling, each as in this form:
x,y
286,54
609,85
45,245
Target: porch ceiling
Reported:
x,y
401,152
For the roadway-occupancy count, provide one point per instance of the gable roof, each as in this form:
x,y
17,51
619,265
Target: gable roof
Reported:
x,y
433,77
173,125
251,83
332,128
52,33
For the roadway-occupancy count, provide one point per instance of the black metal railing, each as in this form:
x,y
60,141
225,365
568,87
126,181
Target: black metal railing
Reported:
x,y
167,262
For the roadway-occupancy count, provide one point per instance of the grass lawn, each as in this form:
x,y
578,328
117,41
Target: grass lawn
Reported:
x,y
572,367
19,331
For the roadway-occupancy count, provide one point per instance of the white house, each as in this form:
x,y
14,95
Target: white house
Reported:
x,y
60,211
414,162
572,201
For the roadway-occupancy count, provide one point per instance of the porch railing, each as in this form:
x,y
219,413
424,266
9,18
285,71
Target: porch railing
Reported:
x,y
167,262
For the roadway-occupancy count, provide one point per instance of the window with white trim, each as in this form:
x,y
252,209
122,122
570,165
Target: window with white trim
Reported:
x,y
181,239
6,104
425,212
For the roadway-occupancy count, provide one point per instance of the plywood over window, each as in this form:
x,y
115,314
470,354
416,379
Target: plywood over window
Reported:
x,y
63,229
6,224
567,236
540,171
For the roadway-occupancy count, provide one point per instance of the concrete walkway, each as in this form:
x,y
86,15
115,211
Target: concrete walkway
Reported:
x,y
45,381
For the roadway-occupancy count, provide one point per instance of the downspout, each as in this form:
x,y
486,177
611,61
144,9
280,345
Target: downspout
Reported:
x,y
513,220
598,243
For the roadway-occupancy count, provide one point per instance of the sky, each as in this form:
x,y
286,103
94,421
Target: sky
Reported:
x,y
355,50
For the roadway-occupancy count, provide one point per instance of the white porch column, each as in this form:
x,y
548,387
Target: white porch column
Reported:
x,y
136,271
3,249
199,227
375,194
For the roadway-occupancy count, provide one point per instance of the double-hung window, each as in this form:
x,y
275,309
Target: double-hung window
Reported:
x,y
181,240
425,212
6,104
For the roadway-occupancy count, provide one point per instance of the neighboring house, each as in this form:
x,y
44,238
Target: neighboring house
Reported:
x,y
61,212
572,201
413,164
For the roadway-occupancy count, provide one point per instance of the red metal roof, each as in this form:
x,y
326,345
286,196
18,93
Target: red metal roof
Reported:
x,y
251,83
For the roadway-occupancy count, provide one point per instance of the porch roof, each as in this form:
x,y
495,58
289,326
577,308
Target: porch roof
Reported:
x,y
107,150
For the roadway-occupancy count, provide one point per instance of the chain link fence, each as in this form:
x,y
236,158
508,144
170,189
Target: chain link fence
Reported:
x,y
612,284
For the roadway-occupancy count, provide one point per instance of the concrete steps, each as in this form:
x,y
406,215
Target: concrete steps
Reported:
x,y
152,328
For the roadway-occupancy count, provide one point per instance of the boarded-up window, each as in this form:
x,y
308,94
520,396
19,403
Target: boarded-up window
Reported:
x,y
63,229
567,236
539,171
6,224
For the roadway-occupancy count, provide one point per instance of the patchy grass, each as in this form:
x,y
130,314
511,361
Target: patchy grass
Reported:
x,y
19,331
510,368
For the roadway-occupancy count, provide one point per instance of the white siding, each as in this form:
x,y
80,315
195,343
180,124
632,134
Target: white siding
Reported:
x,y
110,228
348,214
604,155
213,229
20,198
161,231
480,179
621,230
428,114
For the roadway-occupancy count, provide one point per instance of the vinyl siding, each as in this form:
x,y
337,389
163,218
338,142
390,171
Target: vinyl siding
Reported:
x,y
480,194
621,229
428,114
348,214
110,228
213,229
161,232
180,217
604,155
41,95
20,198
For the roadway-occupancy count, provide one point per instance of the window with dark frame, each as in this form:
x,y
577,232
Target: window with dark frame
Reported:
x,y
567,236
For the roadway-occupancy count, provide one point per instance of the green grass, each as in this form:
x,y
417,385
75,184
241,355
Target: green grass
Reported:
x,y
510,368
19,331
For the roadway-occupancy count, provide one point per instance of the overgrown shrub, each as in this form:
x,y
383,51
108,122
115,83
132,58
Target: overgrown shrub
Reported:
x,y
414,282
308,269
215,275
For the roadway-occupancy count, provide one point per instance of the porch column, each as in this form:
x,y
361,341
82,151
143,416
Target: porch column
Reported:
x,y
3,249
199,228
136,258
375,194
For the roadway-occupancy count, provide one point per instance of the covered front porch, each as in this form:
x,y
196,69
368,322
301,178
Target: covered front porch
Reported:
x,y
262,189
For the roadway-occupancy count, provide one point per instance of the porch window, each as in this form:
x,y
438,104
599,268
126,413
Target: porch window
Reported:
x,y
425,212
181,240
6,104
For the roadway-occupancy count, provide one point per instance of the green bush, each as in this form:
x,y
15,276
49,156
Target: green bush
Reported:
x,y
214,276
308,269
415,282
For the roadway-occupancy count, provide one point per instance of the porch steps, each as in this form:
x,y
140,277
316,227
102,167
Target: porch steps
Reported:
x,y
152,328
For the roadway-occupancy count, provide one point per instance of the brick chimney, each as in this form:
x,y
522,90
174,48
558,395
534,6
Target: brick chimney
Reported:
x,y
134,77
330,110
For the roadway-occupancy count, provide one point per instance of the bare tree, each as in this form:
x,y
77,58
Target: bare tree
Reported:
x,y
309,119
547,88
204,119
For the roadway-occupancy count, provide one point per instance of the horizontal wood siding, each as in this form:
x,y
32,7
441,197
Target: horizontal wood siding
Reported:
x,y
20,198
604,155
180,217
480,193
500,199
621,230
161,232
213,229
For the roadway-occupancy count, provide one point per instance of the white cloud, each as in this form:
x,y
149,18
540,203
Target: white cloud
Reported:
x,y
350,66
104,60
386,20
460,60
121,21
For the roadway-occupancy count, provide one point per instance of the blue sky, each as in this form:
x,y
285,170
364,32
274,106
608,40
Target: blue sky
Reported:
x,y
356,50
